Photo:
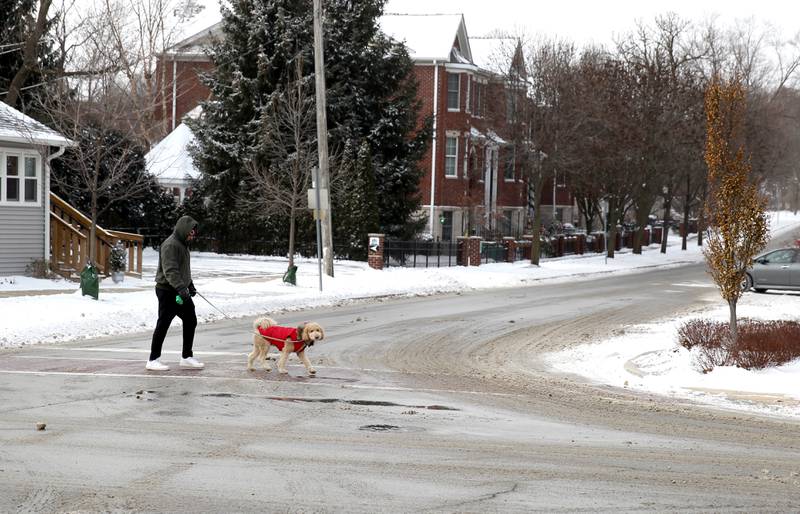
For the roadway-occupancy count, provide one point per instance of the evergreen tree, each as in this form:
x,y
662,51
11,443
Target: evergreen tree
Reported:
x,y
355,203
371,97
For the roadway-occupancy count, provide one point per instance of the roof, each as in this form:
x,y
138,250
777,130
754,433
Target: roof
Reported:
x,y
19,128
170,158
195,22
493,53
428,37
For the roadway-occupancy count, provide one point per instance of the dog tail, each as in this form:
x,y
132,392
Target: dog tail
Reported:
x,y
263,322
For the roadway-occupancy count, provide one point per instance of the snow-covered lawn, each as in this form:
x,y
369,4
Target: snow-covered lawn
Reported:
x,y
646,357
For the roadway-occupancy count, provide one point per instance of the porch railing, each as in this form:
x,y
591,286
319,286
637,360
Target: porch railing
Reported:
x,y
69,243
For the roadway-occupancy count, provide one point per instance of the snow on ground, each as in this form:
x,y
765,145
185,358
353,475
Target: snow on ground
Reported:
x,y
646,357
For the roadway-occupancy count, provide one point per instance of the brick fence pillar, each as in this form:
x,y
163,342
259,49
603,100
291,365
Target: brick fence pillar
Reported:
x,y
462,244
510,244
375,252
469,251
580,243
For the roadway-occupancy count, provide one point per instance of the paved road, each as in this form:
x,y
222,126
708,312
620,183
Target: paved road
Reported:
x,y
435,404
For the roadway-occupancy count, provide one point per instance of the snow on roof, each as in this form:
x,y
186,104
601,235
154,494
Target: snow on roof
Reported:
x,y
170,158
492,53
428,37
194,21
19,128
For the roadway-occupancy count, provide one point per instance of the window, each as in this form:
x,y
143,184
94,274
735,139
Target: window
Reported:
x,y
477,100
20,182
508,165
468,101
781,257
31,180
453,91
451,157
506,228
12,178
511,107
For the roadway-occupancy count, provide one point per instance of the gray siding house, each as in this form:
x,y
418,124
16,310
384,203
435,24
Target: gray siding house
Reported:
x,y
26,149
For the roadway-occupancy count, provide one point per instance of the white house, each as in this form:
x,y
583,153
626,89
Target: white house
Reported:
x,y
171,164
26,149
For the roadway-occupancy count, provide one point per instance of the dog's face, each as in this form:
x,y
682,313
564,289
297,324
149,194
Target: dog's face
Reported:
x,y
313,332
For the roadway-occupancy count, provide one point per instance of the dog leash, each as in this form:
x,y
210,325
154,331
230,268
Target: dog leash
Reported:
x,y
279,340
211,304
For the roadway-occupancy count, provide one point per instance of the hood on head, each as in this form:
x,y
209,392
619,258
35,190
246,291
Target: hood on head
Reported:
x,y
184,225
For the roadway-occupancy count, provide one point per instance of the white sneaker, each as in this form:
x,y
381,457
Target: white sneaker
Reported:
x,y
191,362
156,365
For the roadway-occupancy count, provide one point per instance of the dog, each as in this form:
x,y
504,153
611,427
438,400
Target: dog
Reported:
x,y
267,333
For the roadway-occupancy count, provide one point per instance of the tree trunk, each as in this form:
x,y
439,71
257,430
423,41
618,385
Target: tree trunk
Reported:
x,y
686,206
665,225
734,329
536,246
93,232
292,215
611,224
611,241
29,53
701,217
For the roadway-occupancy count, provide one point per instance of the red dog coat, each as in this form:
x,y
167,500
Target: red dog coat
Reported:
x,y
277,336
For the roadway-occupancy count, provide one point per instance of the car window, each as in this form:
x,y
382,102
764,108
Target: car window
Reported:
x,y
781,257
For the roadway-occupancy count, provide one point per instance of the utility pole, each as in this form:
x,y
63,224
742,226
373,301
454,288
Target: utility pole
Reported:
x,y
322,141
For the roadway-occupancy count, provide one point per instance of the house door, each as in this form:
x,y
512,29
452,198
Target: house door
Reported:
x,y
447,225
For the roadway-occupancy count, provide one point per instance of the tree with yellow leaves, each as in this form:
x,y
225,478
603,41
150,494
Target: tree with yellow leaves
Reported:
x,y
735,210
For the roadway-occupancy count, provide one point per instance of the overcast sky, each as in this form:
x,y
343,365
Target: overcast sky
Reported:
x,y
585,21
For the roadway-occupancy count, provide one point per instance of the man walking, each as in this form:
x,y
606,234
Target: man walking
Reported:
x,y
175,289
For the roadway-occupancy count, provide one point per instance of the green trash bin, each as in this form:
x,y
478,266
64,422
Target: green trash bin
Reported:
x,y
290,276
90,282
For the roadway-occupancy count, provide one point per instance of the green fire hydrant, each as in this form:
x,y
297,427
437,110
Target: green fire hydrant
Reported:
x,y
90,282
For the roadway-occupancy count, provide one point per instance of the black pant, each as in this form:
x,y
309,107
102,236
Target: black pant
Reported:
x,y
167,310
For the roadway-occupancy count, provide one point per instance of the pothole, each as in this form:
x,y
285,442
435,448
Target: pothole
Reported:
x,y
362,403
379,428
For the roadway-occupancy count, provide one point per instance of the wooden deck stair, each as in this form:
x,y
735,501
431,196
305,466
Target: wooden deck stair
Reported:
x,y
69,243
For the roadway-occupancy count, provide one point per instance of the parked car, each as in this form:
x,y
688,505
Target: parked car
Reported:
x,y
776,269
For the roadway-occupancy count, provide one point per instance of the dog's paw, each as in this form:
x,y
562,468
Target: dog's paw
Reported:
x,y
267,368
312,371
283,371
250,368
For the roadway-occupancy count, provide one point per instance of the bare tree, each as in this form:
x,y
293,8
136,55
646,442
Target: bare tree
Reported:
x,y
549,68
281,170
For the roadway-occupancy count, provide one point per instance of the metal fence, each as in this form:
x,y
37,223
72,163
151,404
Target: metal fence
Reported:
x,y
492,251
420,254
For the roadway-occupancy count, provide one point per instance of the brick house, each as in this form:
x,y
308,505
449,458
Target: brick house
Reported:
x,y
471,184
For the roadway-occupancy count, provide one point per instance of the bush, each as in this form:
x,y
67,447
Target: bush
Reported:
x,y
117,257
39,268
760,344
